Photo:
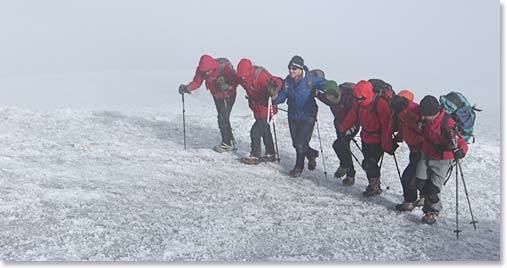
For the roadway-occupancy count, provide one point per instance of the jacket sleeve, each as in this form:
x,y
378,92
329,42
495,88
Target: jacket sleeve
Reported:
x,y
384,114
322,97
197,82
350,119
318,83
282,94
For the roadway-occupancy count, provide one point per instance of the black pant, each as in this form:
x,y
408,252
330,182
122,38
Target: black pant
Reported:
x,y
301,133
408,179
261,129
224,107
372,153
341,147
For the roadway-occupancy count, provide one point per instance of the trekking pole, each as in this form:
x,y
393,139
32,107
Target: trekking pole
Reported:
x,y
466,193
449,172
381,160
350,151
276,144
397,167
271,120
355,142
321,151
457,231
184,128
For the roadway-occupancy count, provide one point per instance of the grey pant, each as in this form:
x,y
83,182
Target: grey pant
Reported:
x,y
261,129
431,175
224,107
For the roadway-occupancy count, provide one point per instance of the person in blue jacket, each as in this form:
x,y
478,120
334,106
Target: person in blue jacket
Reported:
x,y
299,89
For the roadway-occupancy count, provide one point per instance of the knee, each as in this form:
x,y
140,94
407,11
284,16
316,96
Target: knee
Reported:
x,y
368,164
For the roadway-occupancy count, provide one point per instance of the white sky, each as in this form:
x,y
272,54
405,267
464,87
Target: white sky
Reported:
x,y
430,46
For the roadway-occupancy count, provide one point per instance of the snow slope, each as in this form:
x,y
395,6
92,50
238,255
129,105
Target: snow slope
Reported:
x,y
104,185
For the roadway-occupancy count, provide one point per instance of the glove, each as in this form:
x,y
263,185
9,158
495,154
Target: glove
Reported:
x,y
398,104
185,89
393,149
222,84
272,87
351,132
458,153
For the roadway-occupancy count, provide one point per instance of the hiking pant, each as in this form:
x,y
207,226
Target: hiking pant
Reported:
x,y
372,153
341,147
261,129
224,107
301,133
431,176
408,177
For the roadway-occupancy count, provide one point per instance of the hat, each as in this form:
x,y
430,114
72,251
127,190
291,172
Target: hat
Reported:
x,y
429,105
331,88
364,89
297,62
207,63
398,103
406,94
244,68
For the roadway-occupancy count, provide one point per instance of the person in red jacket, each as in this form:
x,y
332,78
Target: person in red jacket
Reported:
x,y
221,80
376,131
408,115
442,145
256,81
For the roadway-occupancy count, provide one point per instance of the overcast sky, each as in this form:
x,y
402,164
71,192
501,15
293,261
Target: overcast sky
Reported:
x,y
430,46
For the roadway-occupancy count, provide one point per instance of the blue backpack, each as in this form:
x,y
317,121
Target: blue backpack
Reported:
x,y
458,108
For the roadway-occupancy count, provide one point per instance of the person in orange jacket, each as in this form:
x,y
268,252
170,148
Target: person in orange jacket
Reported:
x,y
256,80
221,80
442,145
407,114
376,131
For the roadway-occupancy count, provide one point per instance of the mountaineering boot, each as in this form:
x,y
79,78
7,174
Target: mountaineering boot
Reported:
x,y
349,180
268,158
406,206
312,162
340,172
223,147
251,160
430,217
373,187
296,172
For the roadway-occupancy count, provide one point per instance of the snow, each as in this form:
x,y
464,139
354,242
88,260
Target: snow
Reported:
x,y
102,185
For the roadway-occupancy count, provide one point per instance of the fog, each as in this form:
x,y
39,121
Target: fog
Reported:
x,y
111,54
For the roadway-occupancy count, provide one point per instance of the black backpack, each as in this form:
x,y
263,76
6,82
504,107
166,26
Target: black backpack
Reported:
x,y
382,90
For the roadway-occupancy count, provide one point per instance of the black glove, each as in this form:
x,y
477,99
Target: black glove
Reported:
x,y
272,87
185,89
393,148
458,153
222,84
351,132
398,104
